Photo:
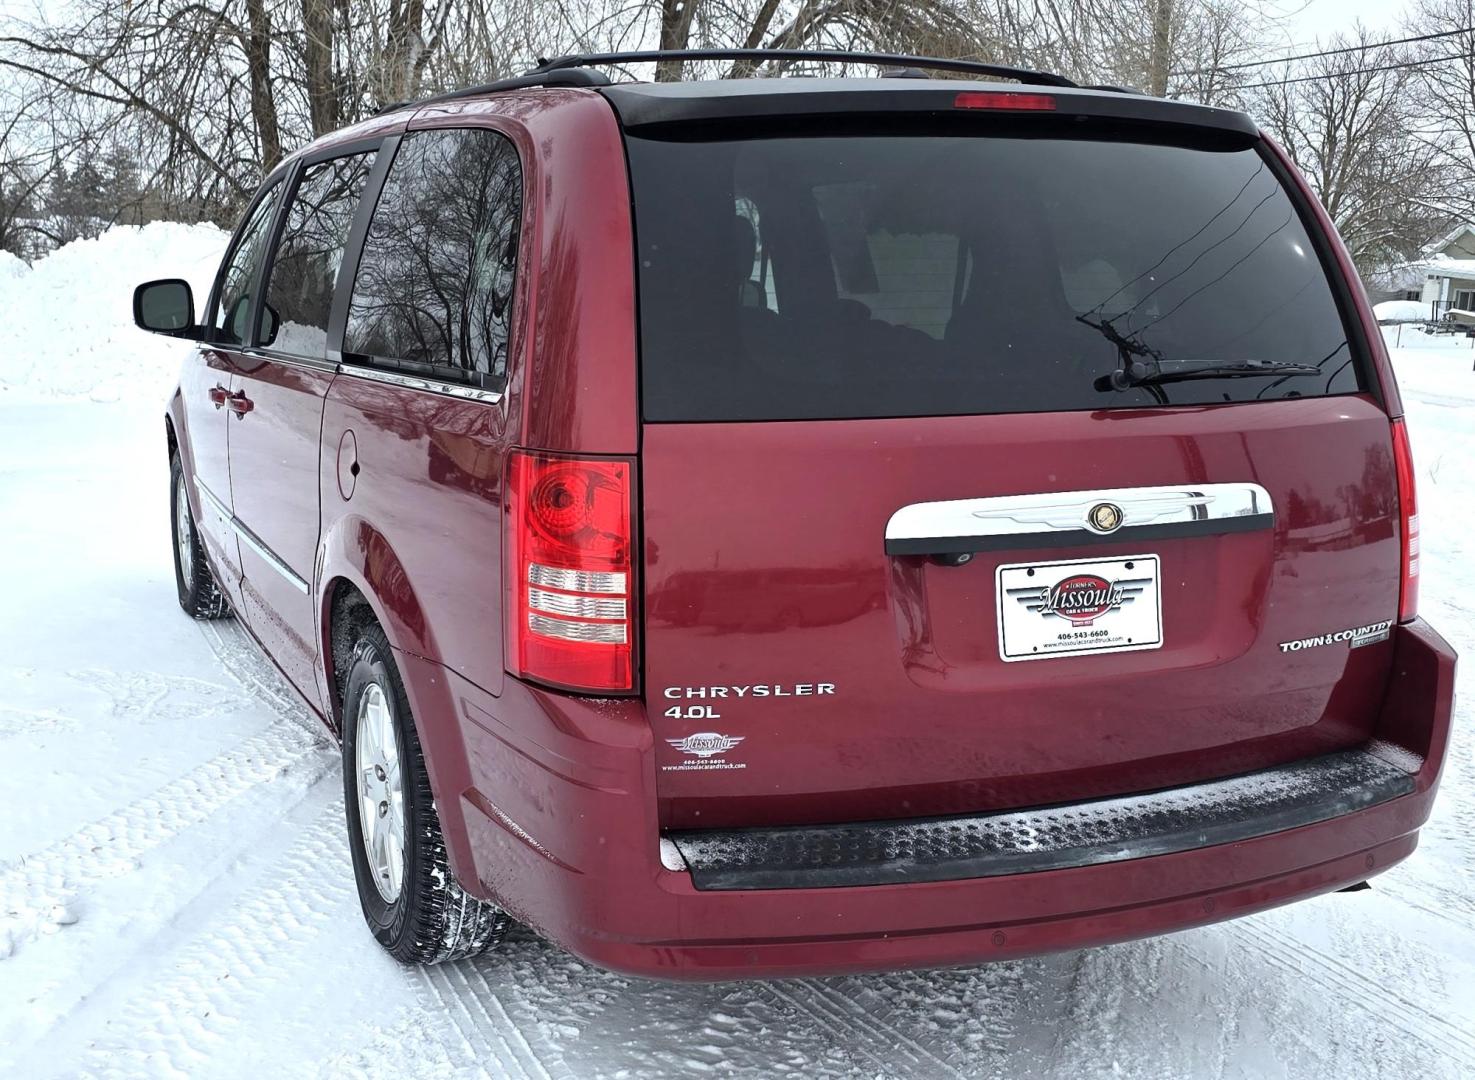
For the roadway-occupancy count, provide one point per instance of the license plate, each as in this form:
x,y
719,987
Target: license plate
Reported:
x,y
1049,609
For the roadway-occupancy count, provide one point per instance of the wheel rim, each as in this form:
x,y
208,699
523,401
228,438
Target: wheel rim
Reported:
x,y
380,792
183,535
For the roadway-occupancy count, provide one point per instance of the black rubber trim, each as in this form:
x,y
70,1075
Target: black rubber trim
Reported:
x,y
957,545
1048,838
640,105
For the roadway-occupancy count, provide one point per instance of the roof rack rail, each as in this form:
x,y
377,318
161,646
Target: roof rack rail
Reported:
x,y
889,60
564,76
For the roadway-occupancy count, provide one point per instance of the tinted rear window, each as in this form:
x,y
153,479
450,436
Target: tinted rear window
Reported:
x,y
916,275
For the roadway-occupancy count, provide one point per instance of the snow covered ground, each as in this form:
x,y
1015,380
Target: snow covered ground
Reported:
x,y
176,897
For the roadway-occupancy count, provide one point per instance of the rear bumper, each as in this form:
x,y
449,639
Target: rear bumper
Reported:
x,y
549,806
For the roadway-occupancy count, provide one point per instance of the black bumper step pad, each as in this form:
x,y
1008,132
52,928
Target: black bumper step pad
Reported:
x,y
1045,838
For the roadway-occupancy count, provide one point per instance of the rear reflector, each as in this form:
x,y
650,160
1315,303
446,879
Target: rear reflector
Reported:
x,y
569,542
1408,514
990,99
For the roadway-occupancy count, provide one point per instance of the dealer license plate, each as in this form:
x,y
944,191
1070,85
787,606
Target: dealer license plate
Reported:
x,y
1050,609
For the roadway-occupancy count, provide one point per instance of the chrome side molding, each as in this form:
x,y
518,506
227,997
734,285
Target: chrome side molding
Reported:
x,y
1061,519
415,382
254,542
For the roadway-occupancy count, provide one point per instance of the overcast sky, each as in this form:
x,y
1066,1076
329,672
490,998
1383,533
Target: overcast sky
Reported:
x,y
1308,20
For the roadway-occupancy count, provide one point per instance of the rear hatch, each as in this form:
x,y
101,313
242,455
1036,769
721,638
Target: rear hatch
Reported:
x,y
994,458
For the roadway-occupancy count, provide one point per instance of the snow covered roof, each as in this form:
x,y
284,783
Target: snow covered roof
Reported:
x,y
1443,266
1449,238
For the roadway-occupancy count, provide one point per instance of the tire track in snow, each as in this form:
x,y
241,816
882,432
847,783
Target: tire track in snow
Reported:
x,y
111,845
866,1034
449,990
1345,984
214,976
33,885
922,1061
242,660
482,1039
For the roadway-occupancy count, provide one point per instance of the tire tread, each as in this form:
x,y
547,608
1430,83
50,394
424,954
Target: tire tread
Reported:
x,y
442,921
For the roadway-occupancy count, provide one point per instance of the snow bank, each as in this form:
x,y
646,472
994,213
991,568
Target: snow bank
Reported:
x,y
1401,311
12,266
68,328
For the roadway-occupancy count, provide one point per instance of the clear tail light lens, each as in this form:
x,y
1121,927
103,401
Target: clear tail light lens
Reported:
x,y
571,563
1408,513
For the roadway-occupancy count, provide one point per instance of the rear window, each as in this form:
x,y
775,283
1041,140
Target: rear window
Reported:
x,y
916,275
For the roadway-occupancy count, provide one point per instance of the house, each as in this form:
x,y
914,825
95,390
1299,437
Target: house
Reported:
x,y
1449,273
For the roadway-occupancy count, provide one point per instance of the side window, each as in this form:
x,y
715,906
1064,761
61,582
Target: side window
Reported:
x,y
906,275
433,294
755,285
304,272
239,274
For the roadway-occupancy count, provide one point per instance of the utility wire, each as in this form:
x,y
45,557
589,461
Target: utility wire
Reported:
x,y
1325,52
1357,71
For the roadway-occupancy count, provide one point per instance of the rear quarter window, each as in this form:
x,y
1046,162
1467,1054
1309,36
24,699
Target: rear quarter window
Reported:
x,y
912,275
434,289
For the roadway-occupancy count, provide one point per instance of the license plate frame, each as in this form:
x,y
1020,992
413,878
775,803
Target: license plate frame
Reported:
x,y
1107,606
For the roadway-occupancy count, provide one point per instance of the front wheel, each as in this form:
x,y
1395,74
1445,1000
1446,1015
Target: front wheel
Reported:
x,y
199,595
411,900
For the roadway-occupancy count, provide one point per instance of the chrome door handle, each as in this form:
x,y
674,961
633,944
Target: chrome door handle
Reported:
x,y
219,395
240,404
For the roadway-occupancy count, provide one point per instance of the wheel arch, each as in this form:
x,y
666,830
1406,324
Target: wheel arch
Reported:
x,y
364,581
355,555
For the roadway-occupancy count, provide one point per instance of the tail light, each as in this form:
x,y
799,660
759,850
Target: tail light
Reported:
x,y
569,533
1408,513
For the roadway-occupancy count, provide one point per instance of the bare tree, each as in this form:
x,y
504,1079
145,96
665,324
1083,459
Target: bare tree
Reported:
x,y
211,94
1442,92
1348,122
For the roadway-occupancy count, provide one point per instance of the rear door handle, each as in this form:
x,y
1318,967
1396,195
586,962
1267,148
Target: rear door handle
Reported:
x,y
240,404
1072,518
219,395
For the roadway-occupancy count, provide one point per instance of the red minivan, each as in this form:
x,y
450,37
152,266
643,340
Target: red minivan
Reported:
x,y
790,525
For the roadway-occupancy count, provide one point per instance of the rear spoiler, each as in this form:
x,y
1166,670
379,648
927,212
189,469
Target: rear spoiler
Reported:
x,y
647,104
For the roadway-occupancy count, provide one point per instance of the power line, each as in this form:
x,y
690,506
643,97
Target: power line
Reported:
x,y
1357,71
1326,52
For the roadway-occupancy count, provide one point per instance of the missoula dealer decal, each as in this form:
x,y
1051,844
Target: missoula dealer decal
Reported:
x,y
1355,638
706,751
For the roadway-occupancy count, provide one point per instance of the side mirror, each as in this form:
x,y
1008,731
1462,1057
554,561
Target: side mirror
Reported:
x,y
166,306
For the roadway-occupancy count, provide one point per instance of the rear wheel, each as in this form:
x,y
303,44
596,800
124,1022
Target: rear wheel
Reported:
x,y
410,899
199,595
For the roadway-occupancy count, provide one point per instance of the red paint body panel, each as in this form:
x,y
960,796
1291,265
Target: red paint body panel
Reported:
x,y
201,426
422,530
276,415
763,562
783,580
562,829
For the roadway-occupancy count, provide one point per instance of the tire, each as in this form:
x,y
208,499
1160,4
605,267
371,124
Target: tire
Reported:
x,y
419,913
199,595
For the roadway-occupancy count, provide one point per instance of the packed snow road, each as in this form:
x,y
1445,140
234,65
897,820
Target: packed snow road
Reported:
x,y
176,897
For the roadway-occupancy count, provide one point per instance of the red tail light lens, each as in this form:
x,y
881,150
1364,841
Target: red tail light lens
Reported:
x,y
569,530
1408,513
992,99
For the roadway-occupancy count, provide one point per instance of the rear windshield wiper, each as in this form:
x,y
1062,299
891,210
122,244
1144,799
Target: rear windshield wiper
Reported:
x,y
1140,365
1152,372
